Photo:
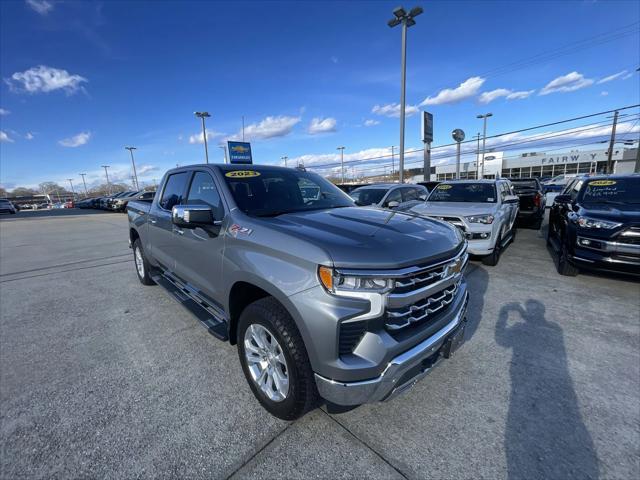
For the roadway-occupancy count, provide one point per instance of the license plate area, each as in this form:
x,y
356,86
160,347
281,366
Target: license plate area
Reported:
x,y
454,341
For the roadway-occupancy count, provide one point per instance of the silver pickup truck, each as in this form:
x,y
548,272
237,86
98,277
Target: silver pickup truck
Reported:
x,y
325,300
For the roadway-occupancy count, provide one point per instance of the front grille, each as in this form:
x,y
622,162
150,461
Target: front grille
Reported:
x,y
422,310
630,236
420,279
350,335
457,221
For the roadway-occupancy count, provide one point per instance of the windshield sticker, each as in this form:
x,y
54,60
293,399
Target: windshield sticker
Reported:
x,y
602,183
242,174
443,187
490,199
236,229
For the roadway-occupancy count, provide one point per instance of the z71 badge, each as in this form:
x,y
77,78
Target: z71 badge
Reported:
x,y
235,229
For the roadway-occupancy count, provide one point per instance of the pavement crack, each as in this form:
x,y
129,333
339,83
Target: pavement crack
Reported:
x,y
378,454
259,451
64,271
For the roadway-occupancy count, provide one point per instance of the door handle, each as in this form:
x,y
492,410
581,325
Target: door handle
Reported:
x,y
153,222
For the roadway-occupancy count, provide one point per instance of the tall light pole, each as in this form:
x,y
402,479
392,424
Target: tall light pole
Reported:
x,y
107,175
135,174
73,192
401,17
224,149
202,116
86,193
285,158
458,136
477,137
341,161
484,138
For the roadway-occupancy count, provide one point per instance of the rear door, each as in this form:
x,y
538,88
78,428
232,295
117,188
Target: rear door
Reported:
x,y
199,258
163,236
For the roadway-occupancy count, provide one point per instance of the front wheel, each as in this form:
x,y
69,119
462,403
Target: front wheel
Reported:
x,y
492,259
275,361
565,267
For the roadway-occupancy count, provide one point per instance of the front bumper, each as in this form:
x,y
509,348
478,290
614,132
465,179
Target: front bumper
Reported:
x,y
401,373
606,255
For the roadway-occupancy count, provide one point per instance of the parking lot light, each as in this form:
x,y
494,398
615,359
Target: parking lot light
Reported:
x,y
86,193
484,139
202,116
107,175
135,174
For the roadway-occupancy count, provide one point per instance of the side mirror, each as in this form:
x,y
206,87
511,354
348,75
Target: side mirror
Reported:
x,y
562,199
423,197
192,216
393,204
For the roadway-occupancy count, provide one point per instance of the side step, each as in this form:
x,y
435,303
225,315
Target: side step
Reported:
x,y
215,326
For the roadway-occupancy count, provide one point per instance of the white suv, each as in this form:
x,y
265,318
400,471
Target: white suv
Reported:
x,y
485,210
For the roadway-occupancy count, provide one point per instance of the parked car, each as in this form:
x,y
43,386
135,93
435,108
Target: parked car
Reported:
x,y
485,210
7,207
595,224
555,185
389,195
120,204
532,201
323,299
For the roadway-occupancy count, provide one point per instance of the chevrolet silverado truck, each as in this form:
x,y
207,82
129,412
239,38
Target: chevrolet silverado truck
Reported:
x,y
532,201
595,224
325,300
484,210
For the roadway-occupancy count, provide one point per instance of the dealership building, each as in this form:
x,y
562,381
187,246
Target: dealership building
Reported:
x,y
539,164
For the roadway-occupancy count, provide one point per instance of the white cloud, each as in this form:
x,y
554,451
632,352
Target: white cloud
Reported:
x,y
40,6
393,110
628,75
43,79
270,127
322,125
465,90
520,95
487,97
604,93
4,112
566,83
199,138
76,141
370,122
4,138
615,76
29,136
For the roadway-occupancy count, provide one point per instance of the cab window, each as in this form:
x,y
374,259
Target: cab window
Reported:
x,y
409,194
393,196
203,191
173,190
575,189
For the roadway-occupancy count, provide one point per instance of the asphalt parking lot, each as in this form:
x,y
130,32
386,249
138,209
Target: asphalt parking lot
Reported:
x,y
102,377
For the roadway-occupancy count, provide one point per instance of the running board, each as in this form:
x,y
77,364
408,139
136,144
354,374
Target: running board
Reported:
x,y
505,241
214,324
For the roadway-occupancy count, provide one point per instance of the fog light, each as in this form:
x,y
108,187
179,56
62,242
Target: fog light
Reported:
x,y
584,241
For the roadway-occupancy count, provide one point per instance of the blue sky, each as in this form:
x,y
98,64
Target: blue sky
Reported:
x,y
80,80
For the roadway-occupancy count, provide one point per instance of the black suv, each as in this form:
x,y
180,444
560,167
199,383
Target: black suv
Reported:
x,y
595,223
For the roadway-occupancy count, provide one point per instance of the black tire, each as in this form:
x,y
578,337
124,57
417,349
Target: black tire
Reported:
x,y
144,278
303,394
565,267
492,259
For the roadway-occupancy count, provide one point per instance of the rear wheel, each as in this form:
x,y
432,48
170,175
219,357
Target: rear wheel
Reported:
x,y
142,266
492,259
275,361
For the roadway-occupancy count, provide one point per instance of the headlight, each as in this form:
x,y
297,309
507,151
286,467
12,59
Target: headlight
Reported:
x,y
586,222
338,283
486,219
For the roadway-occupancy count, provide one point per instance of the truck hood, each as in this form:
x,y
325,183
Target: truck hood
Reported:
x,y
458,209
623,213
364,237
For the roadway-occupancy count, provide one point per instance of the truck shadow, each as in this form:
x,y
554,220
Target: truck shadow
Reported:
x,y
545,436
477,282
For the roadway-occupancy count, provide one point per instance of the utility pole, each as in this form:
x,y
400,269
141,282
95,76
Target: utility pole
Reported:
x,y
612,141
224,148
135,174
477,136
341,161
285,158
458,137
86,193
73,192
484,138
637,169
401,17
202,116
393,163
107,175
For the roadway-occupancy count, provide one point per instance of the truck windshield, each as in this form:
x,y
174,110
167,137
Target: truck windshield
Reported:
x,y
614,190
367,196
266,193
464,192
